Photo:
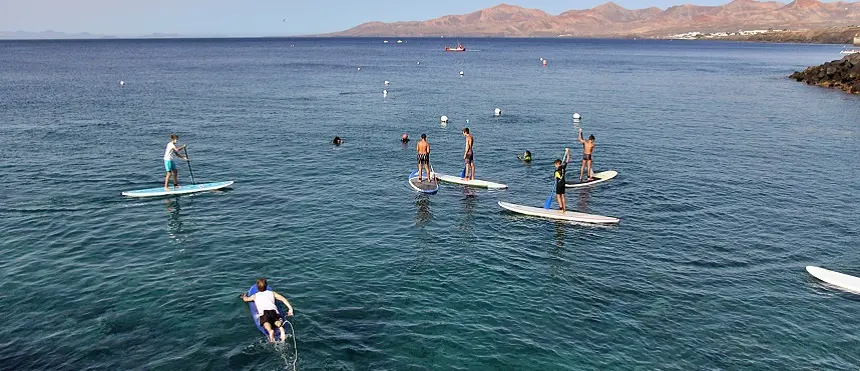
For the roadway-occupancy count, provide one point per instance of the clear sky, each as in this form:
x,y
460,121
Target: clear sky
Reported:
x,y
255,17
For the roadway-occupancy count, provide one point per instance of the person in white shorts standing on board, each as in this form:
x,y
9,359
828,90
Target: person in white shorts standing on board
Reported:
x,y
170,164
269,318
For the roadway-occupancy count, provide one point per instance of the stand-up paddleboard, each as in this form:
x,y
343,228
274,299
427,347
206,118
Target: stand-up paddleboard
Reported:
x,y
843,281
288,327
424,186
181,190
571,216
469,183
598,178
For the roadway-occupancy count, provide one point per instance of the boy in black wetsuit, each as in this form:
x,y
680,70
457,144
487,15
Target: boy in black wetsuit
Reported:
x,y
560,169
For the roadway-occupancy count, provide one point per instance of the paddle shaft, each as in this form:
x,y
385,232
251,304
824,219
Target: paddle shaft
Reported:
x,y
188,161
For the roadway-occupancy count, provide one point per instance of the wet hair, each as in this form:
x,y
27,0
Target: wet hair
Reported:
x,y
591,137
466,130
336,140
557,162
423,136
262,284
174,137
528,153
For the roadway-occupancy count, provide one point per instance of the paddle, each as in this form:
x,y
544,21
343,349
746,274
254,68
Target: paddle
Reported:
x,y
463,173
188,161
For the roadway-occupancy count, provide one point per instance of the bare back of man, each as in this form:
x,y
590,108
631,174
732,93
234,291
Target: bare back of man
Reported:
x,y
587,150
423,149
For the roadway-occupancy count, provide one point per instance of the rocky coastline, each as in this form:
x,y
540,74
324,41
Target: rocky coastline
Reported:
x,y
843,74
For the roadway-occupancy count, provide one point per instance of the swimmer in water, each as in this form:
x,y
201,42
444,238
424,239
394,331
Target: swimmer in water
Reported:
x,y
526,157
337,141
404,138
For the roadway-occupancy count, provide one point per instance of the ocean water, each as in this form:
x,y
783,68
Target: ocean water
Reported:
x,y
732,179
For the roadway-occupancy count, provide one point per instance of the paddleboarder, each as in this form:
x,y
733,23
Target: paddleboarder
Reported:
x,y
423,149
560,170
587,149
267,309
468,156
169,164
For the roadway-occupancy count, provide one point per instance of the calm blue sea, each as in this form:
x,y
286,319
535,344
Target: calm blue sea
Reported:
x,y
732,179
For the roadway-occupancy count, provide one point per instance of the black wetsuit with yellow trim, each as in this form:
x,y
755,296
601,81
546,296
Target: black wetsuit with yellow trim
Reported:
x,y
559,179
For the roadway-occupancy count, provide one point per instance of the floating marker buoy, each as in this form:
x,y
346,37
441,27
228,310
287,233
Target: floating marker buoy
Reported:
x,y
467,121
462,73
121,83
384,93
497,112
359,68
386,82
576,118
444,119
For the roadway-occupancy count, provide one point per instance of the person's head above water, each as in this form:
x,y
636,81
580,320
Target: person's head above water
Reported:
x,y
337,140
404,138
527,155
262,284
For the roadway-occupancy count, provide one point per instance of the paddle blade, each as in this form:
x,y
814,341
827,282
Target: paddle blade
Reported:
x,y
463,173
548,203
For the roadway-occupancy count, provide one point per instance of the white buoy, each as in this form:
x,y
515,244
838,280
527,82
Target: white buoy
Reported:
x,y
462,73
359,68
384,93
576,119
121,83
386,82
497,112
467,121
444,119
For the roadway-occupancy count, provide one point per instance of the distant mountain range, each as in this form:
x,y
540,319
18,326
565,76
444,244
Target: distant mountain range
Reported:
x,y
612,20
56,35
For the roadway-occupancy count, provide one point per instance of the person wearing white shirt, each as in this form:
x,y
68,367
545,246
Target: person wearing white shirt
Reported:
x,y
170,153
267,309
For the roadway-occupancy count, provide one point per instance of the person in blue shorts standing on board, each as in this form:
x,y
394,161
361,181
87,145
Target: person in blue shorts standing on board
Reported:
x,y
469,156
267,309
169,164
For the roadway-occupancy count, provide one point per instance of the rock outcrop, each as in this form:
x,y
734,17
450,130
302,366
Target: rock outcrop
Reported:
x,y
841,74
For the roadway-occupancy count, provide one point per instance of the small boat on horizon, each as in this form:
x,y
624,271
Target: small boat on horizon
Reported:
x,y
459,48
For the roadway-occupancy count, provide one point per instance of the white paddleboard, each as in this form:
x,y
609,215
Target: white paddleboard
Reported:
x,y
571,216
598,178
843,281
470,183
181,190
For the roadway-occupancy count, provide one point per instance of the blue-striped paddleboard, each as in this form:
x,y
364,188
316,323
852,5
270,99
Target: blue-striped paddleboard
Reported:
x,y
182,190
424,186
